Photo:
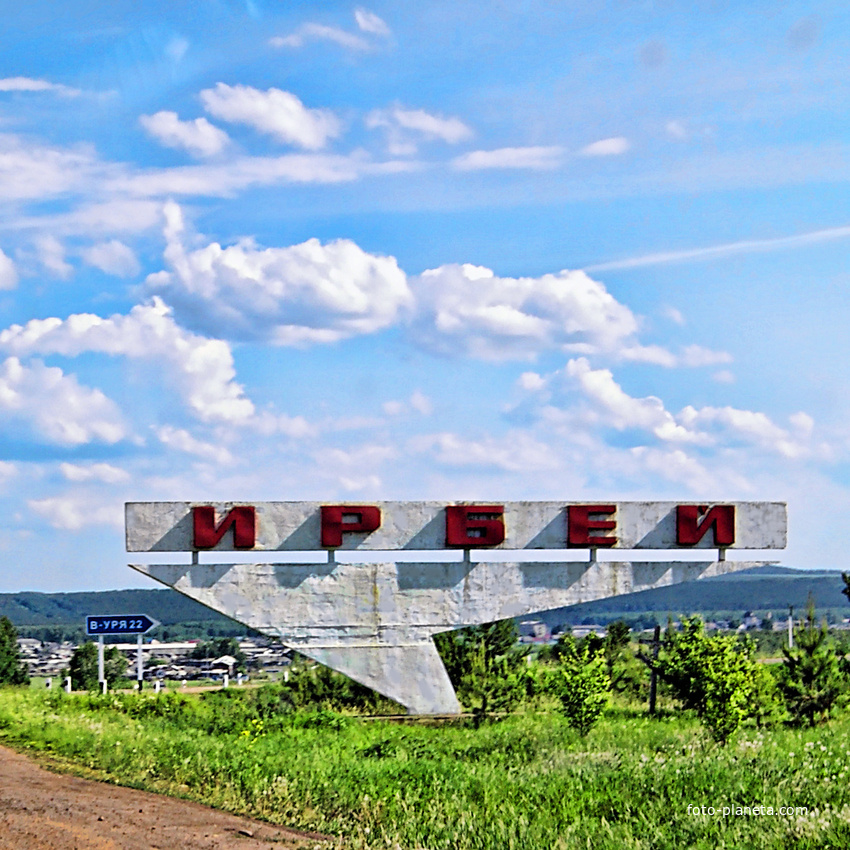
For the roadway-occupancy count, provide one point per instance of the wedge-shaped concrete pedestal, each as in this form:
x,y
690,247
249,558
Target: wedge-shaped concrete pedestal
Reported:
x,y
375,622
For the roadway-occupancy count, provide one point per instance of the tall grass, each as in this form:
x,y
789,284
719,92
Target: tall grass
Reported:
x,y
528,781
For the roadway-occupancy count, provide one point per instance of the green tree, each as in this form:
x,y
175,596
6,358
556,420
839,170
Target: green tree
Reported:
x,y
83,667
581,684
217,647
13,671
486,666
810,680
715,676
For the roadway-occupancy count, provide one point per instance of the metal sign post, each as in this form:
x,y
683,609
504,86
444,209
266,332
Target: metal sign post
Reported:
x,y
121,624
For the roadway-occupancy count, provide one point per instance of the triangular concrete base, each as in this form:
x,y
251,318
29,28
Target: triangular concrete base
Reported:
x,y
412,675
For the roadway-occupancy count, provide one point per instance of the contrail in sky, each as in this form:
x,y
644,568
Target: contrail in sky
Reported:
x,y
750,246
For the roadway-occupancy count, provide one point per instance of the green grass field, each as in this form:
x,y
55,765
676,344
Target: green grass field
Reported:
x,y
527,781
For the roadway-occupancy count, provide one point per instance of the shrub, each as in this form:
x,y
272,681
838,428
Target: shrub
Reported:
x,y
581,684
715,676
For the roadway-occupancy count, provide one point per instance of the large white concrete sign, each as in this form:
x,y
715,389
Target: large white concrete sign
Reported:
x,y
375,621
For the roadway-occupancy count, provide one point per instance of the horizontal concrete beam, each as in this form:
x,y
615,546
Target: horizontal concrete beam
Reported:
x,y
296,526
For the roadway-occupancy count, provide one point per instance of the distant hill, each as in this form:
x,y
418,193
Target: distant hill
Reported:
x,y
70,609
759,590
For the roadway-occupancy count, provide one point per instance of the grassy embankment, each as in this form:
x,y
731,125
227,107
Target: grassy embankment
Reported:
x,y
526,782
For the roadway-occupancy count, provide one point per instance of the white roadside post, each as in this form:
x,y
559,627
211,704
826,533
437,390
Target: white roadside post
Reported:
x,y
140,670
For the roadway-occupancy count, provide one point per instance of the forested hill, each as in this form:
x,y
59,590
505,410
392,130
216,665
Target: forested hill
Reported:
x,y
760,590
70,609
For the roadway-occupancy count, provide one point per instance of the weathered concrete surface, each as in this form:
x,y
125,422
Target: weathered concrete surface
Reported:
x,y
375,621
295,526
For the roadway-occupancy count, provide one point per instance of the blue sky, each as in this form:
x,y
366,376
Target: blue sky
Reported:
x,y
519,250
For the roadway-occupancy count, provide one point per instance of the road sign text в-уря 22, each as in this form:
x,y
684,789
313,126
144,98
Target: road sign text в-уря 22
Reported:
x,y
136,624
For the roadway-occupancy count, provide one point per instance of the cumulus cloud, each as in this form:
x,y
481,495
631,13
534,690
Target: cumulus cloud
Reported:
x,y
112,257
466,309
606,147
582,398
370,22
8,272
30,84
181,440
517,451
298,295
55,406
320,32
30,171
533,158
198,137
103,472
51,254
202,368
76,511
275,112
451,130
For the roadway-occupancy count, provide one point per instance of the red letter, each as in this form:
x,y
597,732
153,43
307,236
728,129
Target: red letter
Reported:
x,y
208,534
580,525
690,529
475,525
337,519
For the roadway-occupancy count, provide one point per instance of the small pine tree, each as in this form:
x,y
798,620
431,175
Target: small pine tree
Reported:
x,y
811,680
13,671
581,684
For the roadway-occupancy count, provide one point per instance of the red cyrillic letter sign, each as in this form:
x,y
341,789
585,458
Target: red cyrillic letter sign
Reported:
x,y
693,521
339,519
580,525
207,533
475,525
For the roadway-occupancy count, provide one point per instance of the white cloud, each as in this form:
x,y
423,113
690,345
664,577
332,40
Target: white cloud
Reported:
x,y
467,310
8,272
279,113
582,398
370,22
30,170
71,513
674,315
112,257
606,147
516,451
405,126
199,137
51,254
181,440
55,406
103,472
418,402
227,179
202,368
29,84
729,249
696,355
320,32
534,158
298,295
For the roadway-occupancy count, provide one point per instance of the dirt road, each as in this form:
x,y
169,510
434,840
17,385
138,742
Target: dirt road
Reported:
x,y
41,810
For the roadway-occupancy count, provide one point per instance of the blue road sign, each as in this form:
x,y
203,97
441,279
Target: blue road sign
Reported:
x,y
121,624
